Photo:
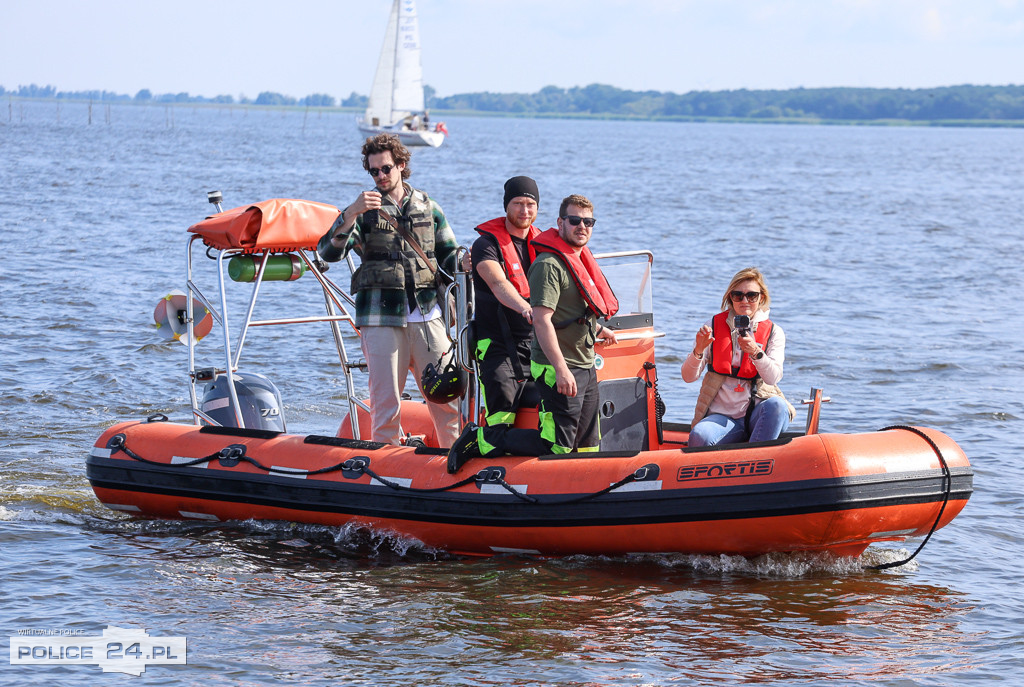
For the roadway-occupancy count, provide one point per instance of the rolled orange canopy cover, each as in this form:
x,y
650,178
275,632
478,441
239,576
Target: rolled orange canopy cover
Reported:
x,y
278,224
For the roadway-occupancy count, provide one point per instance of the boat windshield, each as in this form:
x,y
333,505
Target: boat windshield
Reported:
x,y
629,274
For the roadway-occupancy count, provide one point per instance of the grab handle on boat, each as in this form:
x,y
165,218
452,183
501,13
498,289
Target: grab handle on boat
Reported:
x,y
814,409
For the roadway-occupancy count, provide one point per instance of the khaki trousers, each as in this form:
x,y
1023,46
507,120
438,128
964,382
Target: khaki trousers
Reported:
x,y
391,353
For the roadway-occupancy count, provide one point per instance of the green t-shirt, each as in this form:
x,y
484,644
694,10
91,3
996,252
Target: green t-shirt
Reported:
x,y
552,286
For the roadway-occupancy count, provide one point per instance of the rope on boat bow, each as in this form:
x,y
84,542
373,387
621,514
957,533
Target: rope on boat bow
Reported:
x,y
235,453
947,479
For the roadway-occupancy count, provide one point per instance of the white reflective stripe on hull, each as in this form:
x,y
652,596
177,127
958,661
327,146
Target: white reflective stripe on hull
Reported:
x,y
123,506
505,549
403,481
653,485
198,516
894,533
178,460
499,489
297,473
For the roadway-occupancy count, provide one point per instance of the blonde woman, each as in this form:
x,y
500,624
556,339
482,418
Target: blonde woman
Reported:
x,y
740,351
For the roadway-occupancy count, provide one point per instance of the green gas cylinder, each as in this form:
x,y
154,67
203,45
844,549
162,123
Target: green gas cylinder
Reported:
x,y
287,267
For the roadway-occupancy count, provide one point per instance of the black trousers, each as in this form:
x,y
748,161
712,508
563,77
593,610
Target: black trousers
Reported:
x,y
565,424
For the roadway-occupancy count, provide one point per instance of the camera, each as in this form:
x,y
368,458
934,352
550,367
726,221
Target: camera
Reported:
x,y
742,323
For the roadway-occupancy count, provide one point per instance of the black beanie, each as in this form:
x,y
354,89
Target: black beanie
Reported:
x,y
521,186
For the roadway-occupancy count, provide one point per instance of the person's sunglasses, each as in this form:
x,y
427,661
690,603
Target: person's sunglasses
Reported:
x,y
375,171
750,296
575,220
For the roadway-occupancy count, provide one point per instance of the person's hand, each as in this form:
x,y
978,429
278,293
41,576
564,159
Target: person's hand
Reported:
x,y
748,345
367,200
606,337
527,314
467,262
704,339
565,383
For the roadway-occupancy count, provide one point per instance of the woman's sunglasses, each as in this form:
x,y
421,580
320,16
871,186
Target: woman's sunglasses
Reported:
x,y
749,296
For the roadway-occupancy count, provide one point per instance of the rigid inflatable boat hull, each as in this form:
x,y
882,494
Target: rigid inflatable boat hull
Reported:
x,y
823,492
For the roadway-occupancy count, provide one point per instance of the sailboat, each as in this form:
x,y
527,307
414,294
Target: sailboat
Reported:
x,y
396,100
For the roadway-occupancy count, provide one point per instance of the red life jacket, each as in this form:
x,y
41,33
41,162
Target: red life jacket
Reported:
x,y
721,347
584,270
514,271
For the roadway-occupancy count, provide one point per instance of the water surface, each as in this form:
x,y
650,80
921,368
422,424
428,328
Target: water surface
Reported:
x,y
892,255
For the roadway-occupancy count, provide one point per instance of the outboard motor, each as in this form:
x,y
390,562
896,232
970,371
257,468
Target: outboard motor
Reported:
x,y
259,398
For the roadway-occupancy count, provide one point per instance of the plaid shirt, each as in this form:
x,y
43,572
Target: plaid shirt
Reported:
x,y
387,307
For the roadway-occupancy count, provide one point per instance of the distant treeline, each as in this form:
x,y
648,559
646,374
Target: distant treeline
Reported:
x,y
146,96
850,104
953,102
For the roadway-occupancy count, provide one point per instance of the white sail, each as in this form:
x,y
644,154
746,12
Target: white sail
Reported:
x,y
408,90
396,99
397,90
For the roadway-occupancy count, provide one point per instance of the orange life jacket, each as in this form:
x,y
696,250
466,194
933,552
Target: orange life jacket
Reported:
x,y
721,347
584,270
514,271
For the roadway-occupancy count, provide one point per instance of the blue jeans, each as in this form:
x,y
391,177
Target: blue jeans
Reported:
x,y
769,419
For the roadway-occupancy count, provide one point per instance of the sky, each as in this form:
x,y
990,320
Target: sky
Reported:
x,y
301,47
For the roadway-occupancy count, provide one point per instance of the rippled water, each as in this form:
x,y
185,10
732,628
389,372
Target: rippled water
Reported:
x,y
893,259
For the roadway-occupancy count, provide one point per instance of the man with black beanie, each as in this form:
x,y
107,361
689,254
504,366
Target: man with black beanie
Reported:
x,y
569,295
503,317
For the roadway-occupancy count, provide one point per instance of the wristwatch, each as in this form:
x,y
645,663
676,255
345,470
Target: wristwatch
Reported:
x,y
758,355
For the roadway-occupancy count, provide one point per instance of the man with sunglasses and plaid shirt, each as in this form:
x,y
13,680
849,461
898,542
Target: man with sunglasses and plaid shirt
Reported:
x,y
568,293
397,310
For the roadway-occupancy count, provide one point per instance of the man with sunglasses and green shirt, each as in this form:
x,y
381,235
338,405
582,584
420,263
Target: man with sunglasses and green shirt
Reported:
x,y
568,293
397,309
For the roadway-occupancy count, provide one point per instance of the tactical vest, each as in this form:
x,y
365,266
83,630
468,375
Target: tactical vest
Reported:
x,y
721,348
584,270
514,271
388,261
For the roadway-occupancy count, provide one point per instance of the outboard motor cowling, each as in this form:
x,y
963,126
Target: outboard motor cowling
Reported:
x,y
259,398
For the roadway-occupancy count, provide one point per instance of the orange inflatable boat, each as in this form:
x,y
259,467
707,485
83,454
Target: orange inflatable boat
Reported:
x,y
646,491
824,492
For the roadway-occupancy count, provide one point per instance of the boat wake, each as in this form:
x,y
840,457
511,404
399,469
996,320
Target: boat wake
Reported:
x,y
786,565
308,541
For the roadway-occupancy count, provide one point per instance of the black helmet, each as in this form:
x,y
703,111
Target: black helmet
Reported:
x,y
441,385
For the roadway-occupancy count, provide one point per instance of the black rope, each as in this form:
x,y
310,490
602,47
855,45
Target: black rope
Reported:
x,y
632,477
363,467
237,453
948,478
117,442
